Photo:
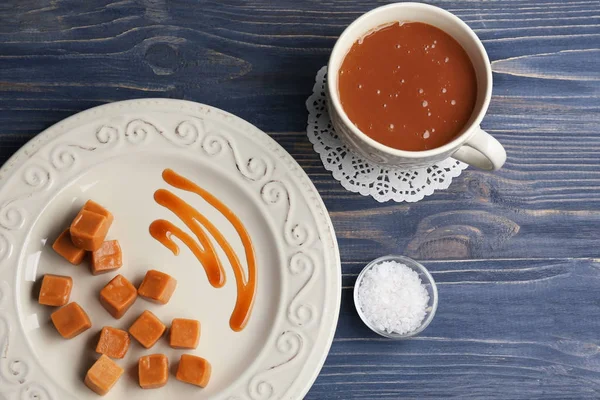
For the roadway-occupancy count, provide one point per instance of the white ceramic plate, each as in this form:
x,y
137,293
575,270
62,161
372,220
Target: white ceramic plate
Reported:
x,y
115,154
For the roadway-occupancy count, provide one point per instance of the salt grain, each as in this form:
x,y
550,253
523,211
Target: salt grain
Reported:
x,y
393,298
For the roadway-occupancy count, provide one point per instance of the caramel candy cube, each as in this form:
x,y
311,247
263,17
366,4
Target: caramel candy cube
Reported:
x,y
70,320
107,258
94,207
103,375
113,342
88,230
55,290
194,370
157,287
117,296
184,333
153,371
65,247
147,329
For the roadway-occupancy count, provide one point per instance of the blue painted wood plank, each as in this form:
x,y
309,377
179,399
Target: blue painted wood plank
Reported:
x,y
492,337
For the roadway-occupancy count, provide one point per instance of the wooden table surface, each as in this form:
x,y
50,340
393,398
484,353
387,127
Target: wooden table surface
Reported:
x,y
515,253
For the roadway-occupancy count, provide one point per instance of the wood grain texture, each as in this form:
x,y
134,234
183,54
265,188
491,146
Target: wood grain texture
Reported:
x,y
515,252
493,337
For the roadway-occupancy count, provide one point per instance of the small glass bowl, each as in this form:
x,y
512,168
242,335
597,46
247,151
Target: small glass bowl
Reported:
x,y
428,282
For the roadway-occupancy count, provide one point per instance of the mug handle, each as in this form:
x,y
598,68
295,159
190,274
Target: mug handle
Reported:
x,y
482,151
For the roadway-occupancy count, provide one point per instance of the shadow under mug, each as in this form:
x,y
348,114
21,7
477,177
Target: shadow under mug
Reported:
x,y
472,145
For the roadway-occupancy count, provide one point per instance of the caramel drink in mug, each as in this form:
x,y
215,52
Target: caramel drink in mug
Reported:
x,y
408,85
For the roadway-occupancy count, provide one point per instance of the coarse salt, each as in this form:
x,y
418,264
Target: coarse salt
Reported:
x,y
393,298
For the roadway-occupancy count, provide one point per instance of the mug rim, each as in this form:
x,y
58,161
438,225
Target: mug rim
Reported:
x,y
455,143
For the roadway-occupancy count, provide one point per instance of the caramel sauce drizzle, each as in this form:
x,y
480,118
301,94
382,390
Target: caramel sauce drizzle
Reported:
x,y
163,230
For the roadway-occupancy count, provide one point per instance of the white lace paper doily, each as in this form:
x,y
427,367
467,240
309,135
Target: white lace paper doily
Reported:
x,y
362,176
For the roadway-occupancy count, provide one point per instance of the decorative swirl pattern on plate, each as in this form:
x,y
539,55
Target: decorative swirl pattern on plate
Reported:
x,y
296,234
13,371
253,168
6,248
18,369
4,292
301,314
107,134
63,157
187,133
274,192
37,177
35,391
11,218
138,130
214,144
4,329
261,390
289,343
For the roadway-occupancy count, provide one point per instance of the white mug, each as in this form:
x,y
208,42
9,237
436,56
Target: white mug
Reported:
x,y
472,145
